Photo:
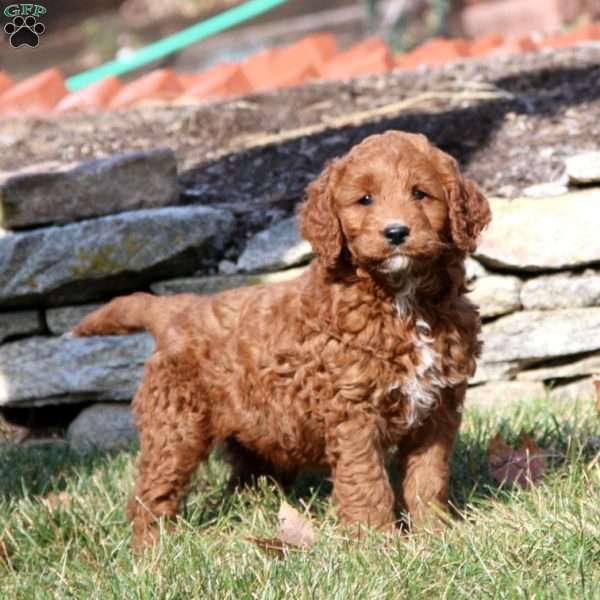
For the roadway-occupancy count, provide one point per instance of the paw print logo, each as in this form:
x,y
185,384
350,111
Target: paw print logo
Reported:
x,y
24,31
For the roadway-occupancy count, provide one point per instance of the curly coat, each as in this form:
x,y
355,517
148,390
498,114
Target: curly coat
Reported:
x,y
370,348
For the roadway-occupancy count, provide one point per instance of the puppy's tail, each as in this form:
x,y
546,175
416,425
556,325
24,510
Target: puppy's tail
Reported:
x,y
123,315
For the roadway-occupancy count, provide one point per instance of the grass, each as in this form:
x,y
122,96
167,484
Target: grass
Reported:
x,y
507,543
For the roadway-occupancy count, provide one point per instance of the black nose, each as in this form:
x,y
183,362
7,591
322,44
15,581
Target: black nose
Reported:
x,y
396,234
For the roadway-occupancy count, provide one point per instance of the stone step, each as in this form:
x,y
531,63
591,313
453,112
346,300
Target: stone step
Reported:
x,y
51,193
42,370
105,256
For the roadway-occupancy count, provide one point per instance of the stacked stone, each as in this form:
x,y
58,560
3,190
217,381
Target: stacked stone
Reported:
x,y
80,233
76,236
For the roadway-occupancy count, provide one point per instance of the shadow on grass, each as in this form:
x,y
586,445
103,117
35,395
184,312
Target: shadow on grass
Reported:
x,y
37,469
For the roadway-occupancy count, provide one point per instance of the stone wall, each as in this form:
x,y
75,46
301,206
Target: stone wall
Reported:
x,y
77,235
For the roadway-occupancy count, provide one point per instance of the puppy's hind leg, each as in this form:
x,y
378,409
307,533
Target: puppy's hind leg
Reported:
x,y
175,437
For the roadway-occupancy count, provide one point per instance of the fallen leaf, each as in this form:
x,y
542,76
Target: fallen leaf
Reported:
x,y
294,529
60,500
597,386
295,532
272,545
525,466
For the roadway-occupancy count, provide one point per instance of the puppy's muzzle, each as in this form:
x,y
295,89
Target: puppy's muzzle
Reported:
x,y
396,234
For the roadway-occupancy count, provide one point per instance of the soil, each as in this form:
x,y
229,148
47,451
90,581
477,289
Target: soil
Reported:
x,y
509,120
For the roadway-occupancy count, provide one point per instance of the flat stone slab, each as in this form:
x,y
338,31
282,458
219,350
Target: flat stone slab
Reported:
x,y
22,322
219,283
500,393
62,319
583,389
537,234
561,291
535,335
589,365
584,168
92,259
495,371
496,295
103,426
276,248
51,193
42,370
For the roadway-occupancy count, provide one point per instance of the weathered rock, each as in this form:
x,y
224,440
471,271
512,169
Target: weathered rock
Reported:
x,y
496,295
103,427
474,269
529,234
91,259
590,365
501,393
545,190
584,168
39,370
583,389
61,193
494,371
561,291
62,319
219,283
530,336
22,322
276,248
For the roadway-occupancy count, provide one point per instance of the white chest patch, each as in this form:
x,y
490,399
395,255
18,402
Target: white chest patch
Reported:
x,y
422,388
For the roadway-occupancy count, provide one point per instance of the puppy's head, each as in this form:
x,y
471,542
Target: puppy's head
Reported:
x,y
394,200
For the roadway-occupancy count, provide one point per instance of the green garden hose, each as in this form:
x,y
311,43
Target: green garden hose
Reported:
x,y
173,43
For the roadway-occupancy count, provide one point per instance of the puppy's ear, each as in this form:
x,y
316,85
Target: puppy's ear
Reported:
x,y
469,213
318,222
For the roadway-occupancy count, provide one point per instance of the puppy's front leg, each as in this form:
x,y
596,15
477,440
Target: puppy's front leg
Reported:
x,y
424,462
361,488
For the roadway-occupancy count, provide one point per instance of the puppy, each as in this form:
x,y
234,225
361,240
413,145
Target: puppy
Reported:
x,y
370,348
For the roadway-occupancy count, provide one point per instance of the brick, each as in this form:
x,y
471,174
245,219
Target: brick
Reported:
x,y
435,52
375,63
516,45
259,67
187,80
95,96
5,82
369,57
513,17
486,44
37,94
294,75
313,50
221,81
292,65
162,84
587,33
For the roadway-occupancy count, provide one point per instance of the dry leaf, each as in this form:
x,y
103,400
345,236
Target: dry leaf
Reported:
x,y
294,529
295,532
525,466
60,500
272,545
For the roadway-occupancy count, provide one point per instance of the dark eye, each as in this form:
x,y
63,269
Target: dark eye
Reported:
x,y
366,200
418,194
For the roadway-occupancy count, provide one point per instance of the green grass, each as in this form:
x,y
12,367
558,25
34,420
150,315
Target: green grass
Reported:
x,y
507,543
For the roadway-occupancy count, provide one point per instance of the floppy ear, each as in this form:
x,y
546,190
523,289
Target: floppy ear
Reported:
x,y
318,222
469,213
